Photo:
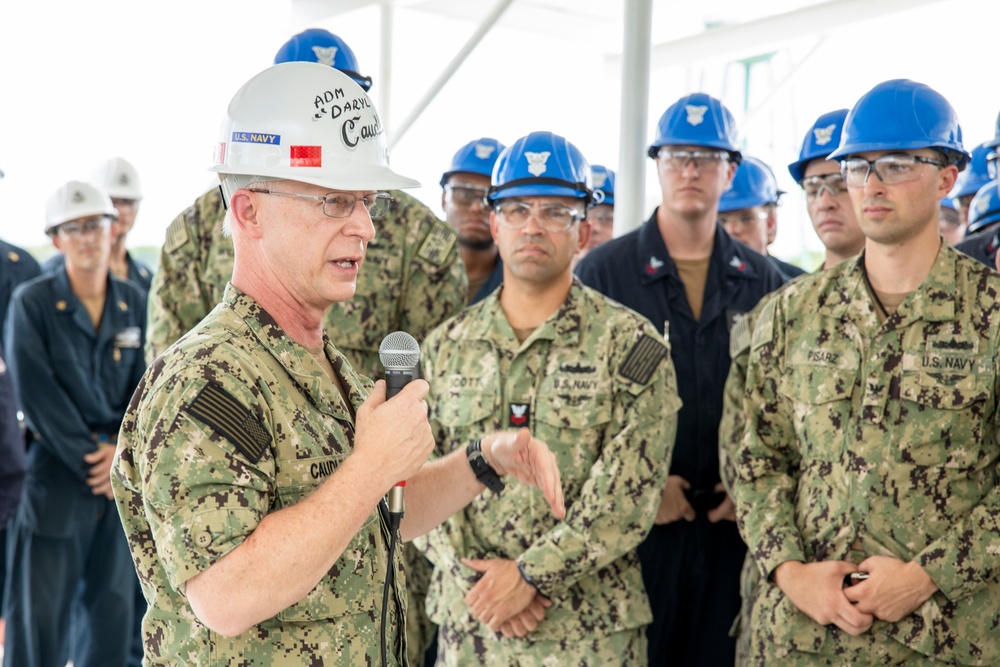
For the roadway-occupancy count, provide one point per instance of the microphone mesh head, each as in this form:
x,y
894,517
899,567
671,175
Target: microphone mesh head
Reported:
x,y
399,350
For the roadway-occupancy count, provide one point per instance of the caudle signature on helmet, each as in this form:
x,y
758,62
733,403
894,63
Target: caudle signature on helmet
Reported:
x,y
352,132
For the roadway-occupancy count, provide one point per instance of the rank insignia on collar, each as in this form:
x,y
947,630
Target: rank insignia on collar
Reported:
x,y
654,265
520,415
738,264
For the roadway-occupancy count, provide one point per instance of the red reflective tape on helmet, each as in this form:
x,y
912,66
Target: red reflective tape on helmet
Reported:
x,y
305,156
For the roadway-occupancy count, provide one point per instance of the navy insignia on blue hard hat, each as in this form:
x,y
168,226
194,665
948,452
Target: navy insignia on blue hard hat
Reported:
x,y
520,415
600,178
325,55
983,205
695,113
824,134
483,151
536,162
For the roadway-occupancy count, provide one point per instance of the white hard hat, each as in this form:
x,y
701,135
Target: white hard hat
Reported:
x,y
306,122
75,200
119,179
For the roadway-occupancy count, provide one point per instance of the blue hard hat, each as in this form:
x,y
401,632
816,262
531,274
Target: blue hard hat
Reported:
x,y
996,139
984,209
316,45
604,184
753,185
541,163
949,203
823,137
476,157
697,120
976,175
902,114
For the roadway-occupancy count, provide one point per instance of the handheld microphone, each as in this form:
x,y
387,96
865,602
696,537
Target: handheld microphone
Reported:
x,y
400,356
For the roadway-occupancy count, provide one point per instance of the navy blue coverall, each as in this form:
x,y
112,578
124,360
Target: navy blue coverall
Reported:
x,y
691,569
67,550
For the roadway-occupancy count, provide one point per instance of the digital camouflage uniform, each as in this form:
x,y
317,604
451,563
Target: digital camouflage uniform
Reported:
x,y
595,382
882,433
412,279
237,421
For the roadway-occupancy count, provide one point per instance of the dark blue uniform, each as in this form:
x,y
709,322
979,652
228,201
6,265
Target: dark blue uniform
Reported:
x,y
787,271
67,548
982,245
138,273
492,282
16,266
11,449
690,569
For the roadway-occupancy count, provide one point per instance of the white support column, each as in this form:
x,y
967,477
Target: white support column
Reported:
x,y
383,85
630,184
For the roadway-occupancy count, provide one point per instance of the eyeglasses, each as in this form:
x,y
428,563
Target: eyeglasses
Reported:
x,y
991,165
603,218
678,160
465,196
79,228
890,169
341,204
124,203
815,185
746,217
551,218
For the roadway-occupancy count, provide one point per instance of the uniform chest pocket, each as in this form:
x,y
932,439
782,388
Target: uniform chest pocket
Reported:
x,y
821,409
465,409
574,430
349,586
940,420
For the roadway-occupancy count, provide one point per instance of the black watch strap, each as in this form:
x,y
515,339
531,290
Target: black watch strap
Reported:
x,y
483,471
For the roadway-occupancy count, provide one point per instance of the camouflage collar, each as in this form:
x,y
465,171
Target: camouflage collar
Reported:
x,y
490,323
932,301
295,359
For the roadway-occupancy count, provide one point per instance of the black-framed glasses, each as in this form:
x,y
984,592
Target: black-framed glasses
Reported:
x,y
676,160
890,169
341,204
815,185
466,195
552,218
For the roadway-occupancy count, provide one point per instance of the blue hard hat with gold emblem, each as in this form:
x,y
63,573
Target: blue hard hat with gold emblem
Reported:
x,y
476,157
697,119
316,45
604,184
821,140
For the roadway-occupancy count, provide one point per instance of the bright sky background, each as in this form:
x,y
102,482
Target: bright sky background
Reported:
x,y
84,81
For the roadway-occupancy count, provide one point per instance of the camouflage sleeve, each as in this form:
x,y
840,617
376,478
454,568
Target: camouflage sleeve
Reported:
x,y
617,503
765,463
435,282
202,497
734,421
180,296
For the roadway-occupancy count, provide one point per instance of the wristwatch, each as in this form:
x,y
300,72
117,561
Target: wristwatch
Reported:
x,y
482,469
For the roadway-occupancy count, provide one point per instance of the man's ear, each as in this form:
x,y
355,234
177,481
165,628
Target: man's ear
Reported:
x,y
243,210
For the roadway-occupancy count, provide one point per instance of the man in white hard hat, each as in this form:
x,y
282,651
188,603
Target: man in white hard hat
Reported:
x,y
254,458
120,180
74,339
